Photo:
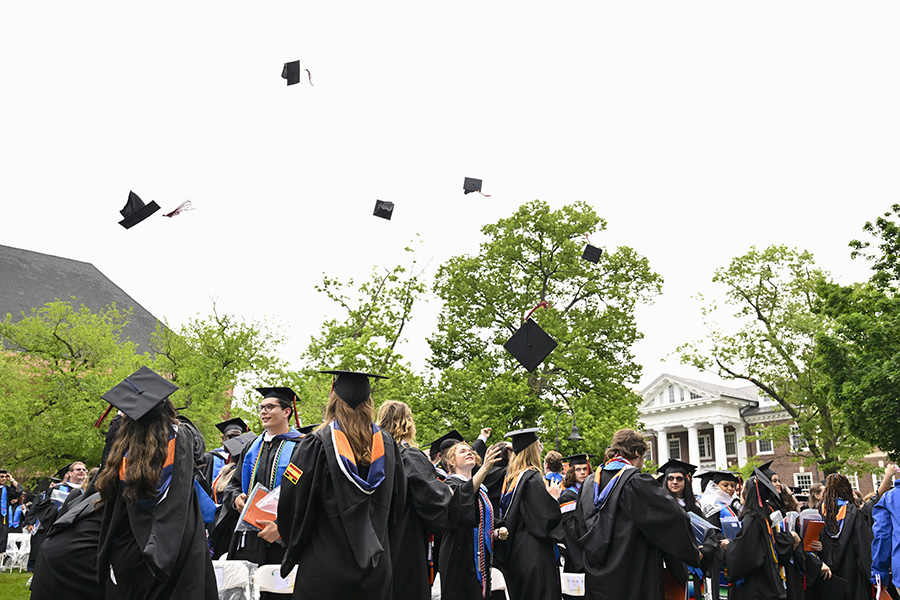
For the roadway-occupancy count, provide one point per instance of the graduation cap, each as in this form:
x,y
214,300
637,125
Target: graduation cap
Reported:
x,y
232,424
452,435
473,185
307,429
291,72
522,438
592,253
136,211
765,489
384,209
530,345
766,469
140,394
285,394
578,459
352,387
677,466
62,471
717,476
235,446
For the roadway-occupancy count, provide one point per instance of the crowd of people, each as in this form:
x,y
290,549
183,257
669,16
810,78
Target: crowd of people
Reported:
x,y
363,513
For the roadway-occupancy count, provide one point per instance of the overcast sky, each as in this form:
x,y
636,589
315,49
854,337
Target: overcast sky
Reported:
x,y
695,128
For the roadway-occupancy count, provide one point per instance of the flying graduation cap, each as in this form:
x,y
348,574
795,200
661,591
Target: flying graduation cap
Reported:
x,y
136,211
591,253
352,387
384,209
530,344
291,72
473,185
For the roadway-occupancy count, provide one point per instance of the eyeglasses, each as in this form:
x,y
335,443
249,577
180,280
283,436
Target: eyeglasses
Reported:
x,y
82,469
267,407
674,478
230,436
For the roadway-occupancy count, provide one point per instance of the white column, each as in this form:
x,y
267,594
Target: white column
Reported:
x,y
662,446
740,431
719,435
693,456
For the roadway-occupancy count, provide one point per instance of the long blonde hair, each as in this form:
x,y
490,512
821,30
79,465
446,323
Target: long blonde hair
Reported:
x,y
529,458
356,423
396,418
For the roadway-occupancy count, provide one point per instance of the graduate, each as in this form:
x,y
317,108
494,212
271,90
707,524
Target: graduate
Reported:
x,y
46,507
579,470
718,506
468,541
755,558
226,516
427,500
213,461
530,511
846,538
343,490
264,462
629,523
151,532
683,581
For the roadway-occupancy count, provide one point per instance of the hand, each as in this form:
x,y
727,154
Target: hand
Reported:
x,y
491,457
796,538
554,490
502,533
826,572
486,432
815,546
723,544
29,528
269,531
891,470
240,501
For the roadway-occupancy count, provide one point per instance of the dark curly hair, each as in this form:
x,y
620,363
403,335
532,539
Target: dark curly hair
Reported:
x,y
836,487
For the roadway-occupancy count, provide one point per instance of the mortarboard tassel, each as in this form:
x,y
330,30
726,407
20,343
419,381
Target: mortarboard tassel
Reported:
x,y
184,206
103,417
309,75
297,418
542,304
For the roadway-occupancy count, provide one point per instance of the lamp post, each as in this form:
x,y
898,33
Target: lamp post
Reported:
x,y
574,436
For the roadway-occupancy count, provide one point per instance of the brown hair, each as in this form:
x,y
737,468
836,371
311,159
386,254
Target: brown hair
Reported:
x,y
836,486
356,423
147,443
529,458
396,418
554,461
627,443
451,452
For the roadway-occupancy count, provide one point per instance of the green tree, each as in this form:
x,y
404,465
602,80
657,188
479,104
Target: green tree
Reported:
x,y
366,337
209,358
860,354
774,348
531,257
55,364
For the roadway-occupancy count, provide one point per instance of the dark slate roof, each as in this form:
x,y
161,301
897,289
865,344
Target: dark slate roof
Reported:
x,y
31,279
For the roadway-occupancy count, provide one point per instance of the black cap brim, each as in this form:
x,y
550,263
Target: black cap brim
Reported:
x,y
522,438
284,394
530,345
675,465
435,446
384,209
140,393
578,459
235,423
235,446
471,185
291,72
592,254
139,215
352,387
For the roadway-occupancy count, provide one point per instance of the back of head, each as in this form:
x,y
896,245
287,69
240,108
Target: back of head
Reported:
x,y
356,423
529,458
396,418
837,487
628,444
554,461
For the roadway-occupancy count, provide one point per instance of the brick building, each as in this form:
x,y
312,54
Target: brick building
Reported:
x,y
705,424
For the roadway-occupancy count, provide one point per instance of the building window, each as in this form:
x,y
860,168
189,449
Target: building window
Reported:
x,y
764,446
803,481
854,481
675,448
797,443
671,394
695,396
705,447
649,454
730,444
682,393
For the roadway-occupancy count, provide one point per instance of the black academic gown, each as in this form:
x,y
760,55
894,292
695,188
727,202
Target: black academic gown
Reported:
x,y
427,500
67,565
337,533
850,554
752,570
625,542
459,579
528,554
161,552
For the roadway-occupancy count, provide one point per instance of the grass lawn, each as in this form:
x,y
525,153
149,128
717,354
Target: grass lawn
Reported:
x,y
12,586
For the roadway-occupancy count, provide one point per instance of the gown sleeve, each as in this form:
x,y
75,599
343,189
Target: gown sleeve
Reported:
x,y
430,497
298,506
746,552
462,510
661,520
234,488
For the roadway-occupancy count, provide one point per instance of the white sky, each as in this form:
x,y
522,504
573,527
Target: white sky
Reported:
x,y
695,128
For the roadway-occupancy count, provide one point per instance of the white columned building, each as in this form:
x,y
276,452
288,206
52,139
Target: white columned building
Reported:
x,y
697,422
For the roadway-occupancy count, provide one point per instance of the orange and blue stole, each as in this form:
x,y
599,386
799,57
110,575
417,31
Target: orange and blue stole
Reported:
x,y
347,462
165,475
